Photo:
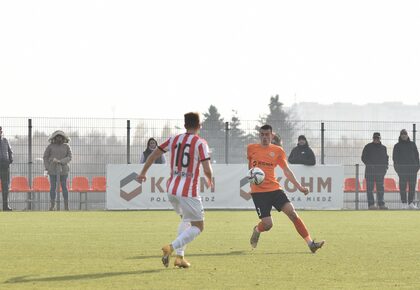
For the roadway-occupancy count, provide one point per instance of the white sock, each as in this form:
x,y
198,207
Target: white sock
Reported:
x,y
183,226
186,237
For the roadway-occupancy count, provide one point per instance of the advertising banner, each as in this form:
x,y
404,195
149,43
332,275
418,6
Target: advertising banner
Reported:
x,y
230,191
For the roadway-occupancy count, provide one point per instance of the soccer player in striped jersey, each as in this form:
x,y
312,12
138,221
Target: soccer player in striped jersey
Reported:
x,y
268,194
188,152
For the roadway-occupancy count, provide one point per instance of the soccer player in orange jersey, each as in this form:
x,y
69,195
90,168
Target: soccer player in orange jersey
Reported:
x,y
268,194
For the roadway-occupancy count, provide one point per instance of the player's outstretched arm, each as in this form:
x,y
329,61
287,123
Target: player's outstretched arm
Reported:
x,y
150,160
289,174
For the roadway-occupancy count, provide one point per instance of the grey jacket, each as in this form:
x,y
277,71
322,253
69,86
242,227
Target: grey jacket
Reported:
x,y
6,153
62,152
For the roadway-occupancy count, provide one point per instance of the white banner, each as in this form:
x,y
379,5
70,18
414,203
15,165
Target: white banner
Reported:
x,y
231,187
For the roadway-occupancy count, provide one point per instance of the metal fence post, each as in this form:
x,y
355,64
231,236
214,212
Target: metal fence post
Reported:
x,y
322,143
29,194
226,142
356,199
128,141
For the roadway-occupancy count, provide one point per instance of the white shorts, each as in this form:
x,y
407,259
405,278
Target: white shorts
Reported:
x,y
190,208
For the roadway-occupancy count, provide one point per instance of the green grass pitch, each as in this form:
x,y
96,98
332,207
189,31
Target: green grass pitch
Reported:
x,y
121,250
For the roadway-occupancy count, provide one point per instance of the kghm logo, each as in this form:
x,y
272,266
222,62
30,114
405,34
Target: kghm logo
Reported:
x,y
130,187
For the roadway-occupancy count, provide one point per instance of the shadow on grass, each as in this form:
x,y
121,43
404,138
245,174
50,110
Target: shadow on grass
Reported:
x,y
232,253
28,278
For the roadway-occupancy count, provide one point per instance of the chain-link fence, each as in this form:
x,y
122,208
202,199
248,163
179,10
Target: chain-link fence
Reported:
x,y
98,142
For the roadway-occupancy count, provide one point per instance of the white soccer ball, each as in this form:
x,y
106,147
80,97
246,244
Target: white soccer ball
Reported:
x,y
256,175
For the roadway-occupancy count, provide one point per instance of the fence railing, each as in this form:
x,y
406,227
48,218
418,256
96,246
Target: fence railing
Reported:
x,y
98,142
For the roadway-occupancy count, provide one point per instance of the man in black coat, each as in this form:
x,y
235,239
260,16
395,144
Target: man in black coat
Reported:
x,y
6,158
406,163
375,157
302,153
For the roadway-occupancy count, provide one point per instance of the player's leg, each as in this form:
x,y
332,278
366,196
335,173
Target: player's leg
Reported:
x,y
183,225
263,207
282,203
168,249
193,212
300,226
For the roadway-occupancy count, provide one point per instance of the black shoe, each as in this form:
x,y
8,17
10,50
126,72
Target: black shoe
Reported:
x,y
7,208
314,246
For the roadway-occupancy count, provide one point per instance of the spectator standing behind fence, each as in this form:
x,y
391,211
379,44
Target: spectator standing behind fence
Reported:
x,y
6,158
302,153
57,155
406,163
151,145
375,157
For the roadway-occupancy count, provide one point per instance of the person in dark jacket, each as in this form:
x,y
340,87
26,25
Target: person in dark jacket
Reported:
x,y
406,163
6,158
302,153
151,145
375,157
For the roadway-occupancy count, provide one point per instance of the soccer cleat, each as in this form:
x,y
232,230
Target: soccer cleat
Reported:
x,y
314,246
373,207
405,206
167,252
383,207
412,206
254,238
180,262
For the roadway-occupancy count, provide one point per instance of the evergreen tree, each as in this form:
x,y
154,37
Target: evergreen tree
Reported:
x,y
213,130
237,141
279,119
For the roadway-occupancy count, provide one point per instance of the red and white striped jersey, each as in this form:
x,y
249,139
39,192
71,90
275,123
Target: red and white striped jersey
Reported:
x,y
187,152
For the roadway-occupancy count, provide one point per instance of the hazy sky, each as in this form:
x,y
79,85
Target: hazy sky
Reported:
x,y
159,59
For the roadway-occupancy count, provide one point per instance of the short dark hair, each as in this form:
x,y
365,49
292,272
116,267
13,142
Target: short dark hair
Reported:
x,y
267,127
192,120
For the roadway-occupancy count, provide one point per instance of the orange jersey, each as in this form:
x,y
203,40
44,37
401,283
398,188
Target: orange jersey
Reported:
x,y
266,158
